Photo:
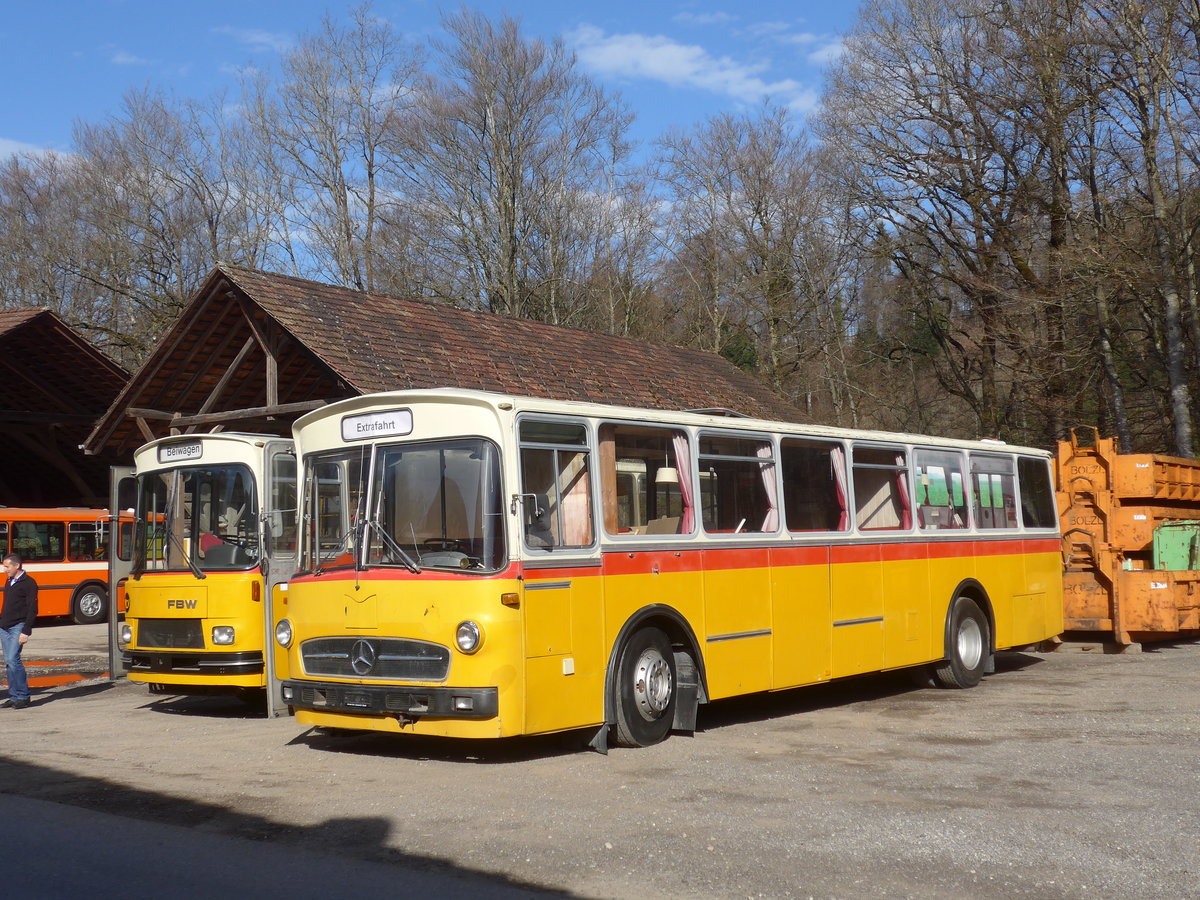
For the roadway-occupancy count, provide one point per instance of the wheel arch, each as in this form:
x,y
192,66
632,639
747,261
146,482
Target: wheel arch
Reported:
x,y
679,633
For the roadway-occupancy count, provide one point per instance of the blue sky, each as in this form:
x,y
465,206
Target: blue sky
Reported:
x,y
674,62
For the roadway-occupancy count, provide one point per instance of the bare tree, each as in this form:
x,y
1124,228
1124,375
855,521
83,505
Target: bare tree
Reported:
x,y
506,153
324,129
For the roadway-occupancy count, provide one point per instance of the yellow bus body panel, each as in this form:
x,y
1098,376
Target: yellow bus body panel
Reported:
x,y
757,627
421,608
222,598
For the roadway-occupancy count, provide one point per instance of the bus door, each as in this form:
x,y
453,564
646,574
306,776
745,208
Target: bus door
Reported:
x,y
278,540
564,623
122,495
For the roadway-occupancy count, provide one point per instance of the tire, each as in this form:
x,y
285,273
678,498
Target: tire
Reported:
x,y
90,605
645,691
968,644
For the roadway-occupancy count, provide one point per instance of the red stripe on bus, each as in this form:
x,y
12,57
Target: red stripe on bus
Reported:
x,y
695,559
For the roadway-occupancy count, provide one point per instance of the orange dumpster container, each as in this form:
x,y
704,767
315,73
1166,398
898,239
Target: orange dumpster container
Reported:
x,y
1109,505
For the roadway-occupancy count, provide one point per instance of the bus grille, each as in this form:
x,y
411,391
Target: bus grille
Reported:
x,y
398,659
185,633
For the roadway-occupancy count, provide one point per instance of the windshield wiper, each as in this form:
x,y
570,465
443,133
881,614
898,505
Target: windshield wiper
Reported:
x,y
171,536
343,543
395,548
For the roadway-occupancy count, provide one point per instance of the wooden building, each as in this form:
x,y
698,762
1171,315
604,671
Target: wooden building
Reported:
x,y
254,350
56,385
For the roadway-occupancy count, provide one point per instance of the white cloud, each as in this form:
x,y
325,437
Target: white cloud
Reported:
x,y
121,58
800,38
827,54
258,39
12,148
659,58
713,18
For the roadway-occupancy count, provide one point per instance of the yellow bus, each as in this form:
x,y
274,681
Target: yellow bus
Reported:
x,y
481,565
216,529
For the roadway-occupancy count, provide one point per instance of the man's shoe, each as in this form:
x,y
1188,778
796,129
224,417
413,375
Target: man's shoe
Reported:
x,y
20,704
7,704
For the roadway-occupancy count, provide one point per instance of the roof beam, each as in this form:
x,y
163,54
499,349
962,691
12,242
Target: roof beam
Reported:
x,y
257,412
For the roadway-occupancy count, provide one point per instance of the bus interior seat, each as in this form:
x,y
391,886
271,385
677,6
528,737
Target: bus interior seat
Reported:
x,y
665,525
538,533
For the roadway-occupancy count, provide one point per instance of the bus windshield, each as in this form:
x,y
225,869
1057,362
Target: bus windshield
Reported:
x,y
433,505
200,518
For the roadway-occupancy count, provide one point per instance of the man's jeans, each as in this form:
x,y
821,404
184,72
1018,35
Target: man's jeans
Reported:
x,y
14,669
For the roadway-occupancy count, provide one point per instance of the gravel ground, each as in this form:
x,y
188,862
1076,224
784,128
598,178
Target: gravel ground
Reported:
x,y
1066,774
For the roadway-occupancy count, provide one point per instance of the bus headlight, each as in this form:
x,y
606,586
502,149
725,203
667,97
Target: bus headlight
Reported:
x,y
468,637
222,634
283,633
126,634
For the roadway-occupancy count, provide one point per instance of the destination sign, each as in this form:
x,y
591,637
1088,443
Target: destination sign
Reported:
x,y
180,452
393,423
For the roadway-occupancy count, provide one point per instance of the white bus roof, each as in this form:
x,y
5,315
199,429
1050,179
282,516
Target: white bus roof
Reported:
x,y
699,419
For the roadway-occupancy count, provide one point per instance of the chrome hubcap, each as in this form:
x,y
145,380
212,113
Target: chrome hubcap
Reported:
x,y
90,604
970,643
652,684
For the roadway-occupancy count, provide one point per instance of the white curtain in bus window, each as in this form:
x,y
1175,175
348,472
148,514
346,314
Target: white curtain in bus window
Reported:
x,y
738,485
881,501
994,491
1037,493
814,485
556,484
940,492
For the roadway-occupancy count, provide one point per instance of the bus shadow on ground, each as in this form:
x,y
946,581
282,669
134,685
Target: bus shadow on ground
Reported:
x,y
210,706
762,707
485,751
915,684
361,839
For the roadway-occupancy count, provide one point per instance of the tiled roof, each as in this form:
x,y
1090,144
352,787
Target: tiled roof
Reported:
x,y
52,368
56,385
333,342
377,342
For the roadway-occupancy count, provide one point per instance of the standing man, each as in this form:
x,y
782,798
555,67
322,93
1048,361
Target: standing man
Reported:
x,y
16,624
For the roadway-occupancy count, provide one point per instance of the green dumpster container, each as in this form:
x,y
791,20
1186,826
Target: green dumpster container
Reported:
x,y
1177,545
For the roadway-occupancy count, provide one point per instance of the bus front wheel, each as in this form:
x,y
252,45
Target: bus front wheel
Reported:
x,y
968,644
645,689
90,605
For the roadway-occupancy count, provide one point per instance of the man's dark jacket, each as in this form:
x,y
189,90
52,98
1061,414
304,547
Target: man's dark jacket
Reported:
x,y
20,604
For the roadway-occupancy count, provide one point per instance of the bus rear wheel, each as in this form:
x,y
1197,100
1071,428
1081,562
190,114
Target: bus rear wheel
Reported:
x,y
645,689
90,605
968,643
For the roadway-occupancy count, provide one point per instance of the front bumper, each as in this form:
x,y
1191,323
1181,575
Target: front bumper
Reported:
x,y
392,700
172,662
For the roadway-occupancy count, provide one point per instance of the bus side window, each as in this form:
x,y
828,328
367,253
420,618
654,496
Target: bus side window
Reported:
x,y
881,500
646,480
1037,493
994,490
82,541
739,495
814,486
39,541
556,484
941,499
